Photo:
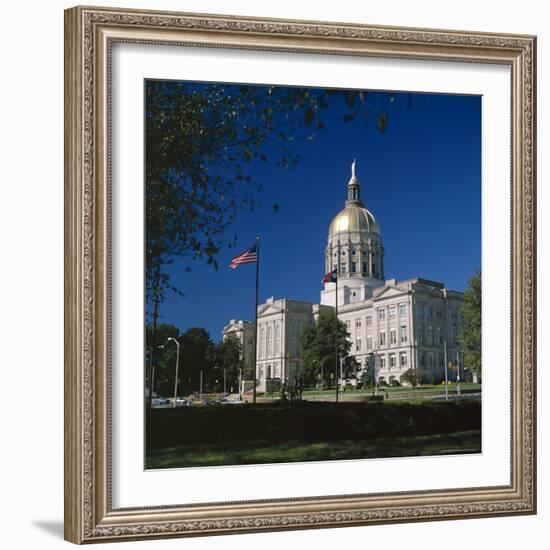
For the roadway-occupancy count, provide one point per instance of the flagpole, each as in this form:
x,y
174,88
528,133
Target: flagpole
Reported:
x,y
256,317
336,332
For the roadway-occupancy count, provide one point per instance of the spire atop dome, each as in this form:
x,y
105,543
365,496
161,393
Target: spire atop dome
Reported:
x,y
354,187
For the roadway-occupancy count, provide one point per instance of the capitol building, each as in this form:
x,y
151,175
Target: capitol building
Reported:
x,y
392,325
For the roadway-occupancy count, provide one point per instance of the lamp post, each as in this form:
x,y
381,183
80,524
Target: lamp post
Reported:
x,y
224,379
322,383
151,369
446,373
240,383
177,367
458,373
376,370
315,362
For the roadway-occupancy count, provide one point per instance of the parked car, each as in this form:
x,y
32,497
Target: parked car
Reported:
x,y
160,401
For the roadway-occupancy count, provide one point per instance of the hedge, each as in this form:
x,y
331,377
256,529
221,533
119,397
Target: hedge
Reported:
x,y
308,421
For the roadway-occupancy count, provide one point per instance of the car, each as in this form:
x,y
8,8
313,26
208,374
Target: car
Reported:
x,y
160,401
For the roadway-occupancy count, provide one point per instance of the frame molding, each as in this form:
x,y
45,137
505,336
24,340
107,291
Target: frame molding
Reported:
x,y
89,34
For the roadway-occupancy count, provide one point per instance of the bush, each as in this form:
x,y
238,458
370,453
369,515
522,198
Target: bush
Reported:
x,y
395,383
305,421
409,377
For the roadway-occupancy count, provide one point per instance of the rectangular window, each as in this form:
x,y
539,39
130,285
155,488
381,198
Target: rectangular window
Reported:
x,y
439,314
383,338
343,268
364,267
369,320
369,342
357,323
402,360
430,336
453,319
382,362
402,310
277,337
430,312
381,314
439,335
393,336
262,341
358,344
348,324
393,360
403,334
391,312
353,267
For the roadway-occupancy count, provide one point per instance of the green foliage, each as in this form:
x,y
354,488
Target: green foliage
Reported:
x,y
225,356
263,452
317,343
409,377
308,421
197,353
470,328
200,141
162,354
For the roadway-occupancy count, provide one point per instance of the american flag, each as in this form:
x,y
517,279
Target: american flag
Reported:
x,y
249,256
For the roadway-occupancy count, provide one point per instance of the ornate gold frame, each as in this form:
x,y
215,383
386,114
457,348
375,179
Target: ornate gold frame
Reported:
x,y
89,34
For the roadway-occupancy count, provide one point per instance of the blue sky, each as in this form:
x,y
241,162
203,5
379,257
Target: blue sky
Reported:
x,y
421,179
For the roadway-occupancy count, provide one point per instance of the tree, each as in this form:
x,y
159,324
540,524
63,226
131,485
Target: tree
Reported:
x,y
226,357
317,343
199,140
410,377
196,357
163,358
470,328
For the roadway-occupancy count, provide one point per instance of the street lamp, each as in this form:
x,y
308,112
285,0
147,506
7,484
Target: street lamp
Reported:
x,y
177,367
458,373
224,379
321,385
151,369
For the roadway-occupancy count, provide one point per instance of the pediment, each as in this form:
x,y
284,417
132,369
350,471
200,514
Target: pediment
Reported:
x,y
268,309
388,292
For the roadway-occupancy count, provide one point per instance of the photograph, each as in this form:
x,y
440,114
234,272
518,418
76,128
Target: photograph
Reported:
x,y
313,278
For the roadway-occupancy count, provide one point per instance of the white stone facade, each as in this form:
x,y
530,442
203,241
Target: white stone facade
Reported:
x,y
392,326
280,326
403,325
245,333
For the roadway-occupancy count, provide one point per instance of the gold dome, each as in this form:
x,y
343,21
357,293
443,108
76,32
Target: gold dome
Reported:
x,y
354,218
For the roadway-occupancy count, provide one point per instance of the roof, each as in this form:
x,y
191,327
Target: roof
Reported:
x,y
354,218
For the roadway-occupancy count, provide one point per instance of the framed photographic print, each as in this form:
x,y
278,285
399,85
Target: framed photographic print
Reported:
x,y
300,274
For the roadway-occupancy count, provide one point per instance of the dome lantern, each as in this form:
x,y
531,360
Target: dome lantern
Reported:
x,y
354,188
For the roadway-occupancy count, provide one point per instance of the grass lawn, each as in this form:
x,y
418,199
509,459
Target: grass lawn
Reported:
x,y
399,389
262,451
